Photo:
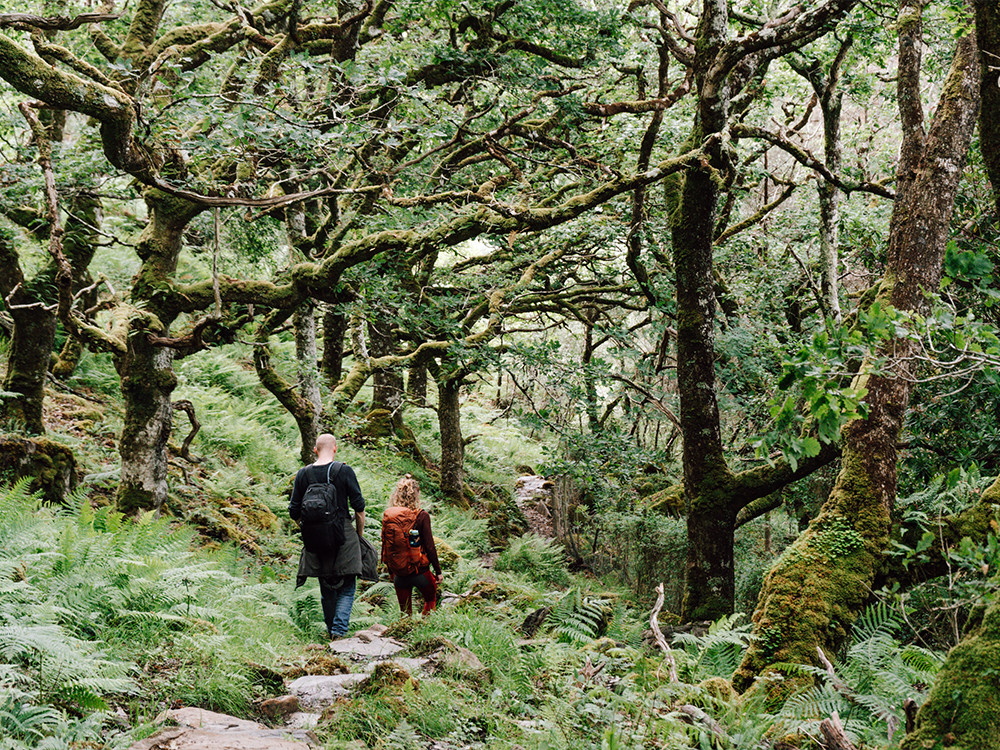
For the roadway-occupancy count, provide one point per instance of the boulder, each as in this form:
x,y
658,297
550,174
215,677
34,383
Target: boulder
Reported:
x,y
279,708
458,660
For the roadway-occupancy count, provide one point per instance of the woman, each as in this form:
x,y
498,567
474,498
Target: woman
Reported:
x,y
408,550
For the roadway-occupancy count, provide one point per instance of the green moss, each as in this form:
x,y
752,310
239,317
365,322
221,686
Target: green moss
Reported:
x,y
131,500
963,709
50,466
816,589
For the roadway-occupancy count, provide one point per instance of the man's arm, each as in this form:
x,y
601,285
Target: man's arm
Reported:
x,y
359,521
295,500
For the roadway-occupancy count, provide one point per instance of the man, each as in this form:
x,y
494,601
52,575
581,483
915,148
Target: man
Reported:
x,y
338,573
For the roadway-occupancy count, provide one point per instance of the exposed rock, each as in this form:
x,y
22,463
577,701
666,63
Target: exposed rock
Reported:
x,y
302,720
365,645
533,495
534,621
206,730
317,690
278,708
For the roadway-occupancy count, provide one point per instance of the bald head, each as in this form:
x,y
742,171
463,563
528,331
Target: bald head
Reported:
x,y
326,446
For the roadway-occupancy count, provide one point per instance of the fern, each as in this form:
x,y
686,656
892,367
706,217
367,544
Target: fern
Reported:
x,y
577,618
403,737
23,721
874,679
541,560
717,653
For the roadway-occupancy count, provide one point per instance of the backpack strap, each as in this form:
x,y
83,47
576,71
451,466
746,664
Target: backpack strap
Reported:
x,y
340,465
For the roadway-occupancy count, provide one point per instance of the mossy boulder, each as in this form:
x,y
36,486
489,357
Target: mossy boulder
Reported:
x,y
669,501
963,709
387,676
240,519
447,556
51,467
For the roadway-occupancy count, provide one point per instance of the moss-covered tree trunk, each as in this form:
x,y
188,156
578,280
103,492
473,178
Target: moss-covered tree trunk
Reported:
x,y
28,363
714,495
334,336
416,382
816,589
146,369
147,383
387,382
304,322
452,442
988,36
709,589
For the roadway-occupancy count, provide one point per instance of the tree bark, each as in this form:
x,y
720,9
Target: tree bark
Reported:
x,y
713,494
988,37
387,382
416,382
28,363
334,335
816,589
146,371
452,443
304,322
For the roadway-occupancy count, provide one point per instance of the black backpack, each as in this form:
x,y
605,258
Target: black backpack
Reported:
x,y
321,516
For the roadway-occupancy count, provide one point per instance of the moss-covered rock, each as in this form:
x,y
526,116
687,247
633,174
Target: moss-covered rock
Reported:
x,y
963,709
387,676
504,520
51,467
447,556
240,519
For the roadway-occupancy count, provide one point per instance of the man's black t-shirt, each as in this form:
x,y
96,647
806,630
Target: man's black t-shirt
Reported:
x,y
345,482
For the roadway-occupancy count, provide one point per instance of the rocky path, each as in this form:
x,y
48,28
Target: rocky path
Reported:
x,y
298,712
533,495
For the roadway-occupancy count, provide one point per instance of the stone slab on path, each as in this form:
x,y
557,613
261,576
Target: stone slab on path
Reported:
x,y
319,690
206,730
364,646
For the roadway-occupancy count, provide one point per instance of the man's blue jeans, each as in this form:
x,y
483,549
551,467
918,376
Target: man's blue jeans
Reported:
x,y
337,603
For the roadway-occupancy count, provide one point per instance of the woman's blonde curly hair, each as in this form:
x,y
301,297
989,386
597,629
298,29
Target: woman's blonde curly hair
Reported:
x,y
406,494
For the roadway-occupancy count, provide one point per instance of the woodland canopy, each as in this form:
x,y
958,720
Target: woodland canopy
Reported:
x,y
731,261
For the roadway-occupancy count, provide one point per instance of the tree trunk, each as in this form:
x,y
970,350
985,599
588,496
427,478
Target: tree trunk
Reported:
x,y
334,333
147,383
28,364
816,589
147,376
387,382
452,443
589,384
304,322
709,590
416,382
988,36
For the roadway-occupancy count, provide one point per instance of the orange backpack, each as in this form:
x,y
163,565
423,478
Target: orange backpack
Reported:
x,y
399,557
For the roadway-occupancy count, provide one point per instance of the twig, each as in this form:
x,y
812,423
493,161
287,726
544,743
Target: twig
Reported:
x,y
654,623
